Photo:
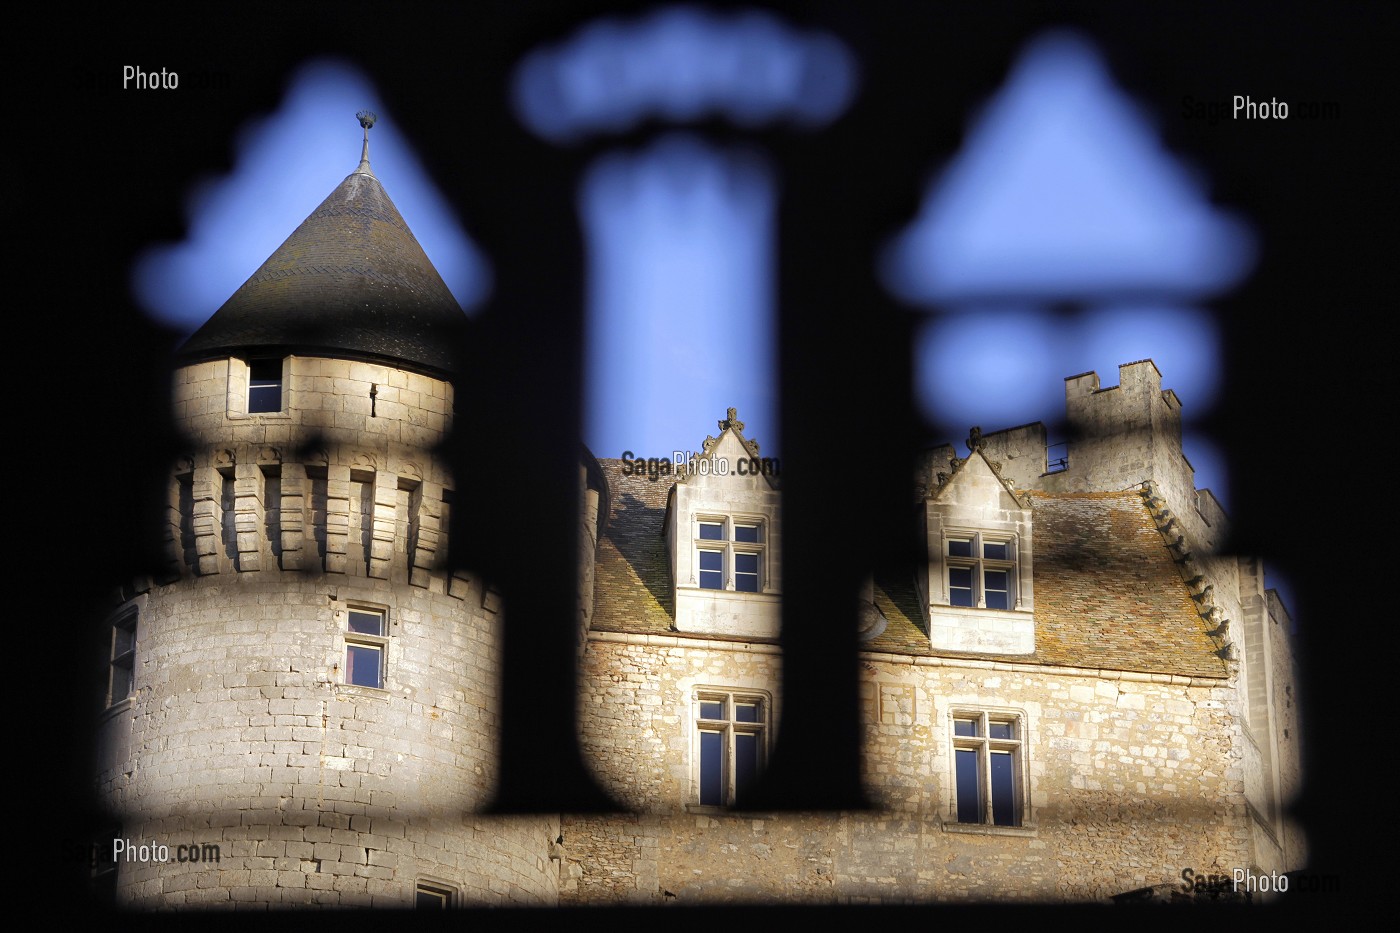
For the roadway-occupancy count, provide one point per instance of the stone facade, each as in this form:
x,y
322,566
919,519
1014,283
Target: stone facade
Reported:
x,y
1148,708
1072,693
242,728
1129,778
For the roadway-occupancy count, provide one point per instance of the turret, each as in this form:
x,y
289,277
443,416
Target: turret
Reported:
x,y
310,692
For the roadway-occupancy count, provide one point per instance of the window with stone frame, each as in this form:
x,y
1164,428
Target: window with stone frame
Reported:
x,y
121,677
988,768
265,388
980,570
366,644
729,553
731,744
434,895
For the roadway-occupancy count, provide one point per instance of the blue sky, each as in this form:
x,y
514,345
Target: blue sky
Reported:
x,y
284,165
1062,188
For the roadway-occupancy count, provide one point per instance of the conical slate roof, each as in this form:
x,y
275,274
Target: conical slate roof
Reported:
x,y
350,282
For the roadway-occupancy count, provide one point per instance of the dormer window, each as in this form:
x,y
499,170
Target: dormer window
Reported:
x,y
729,552
981,571
264,386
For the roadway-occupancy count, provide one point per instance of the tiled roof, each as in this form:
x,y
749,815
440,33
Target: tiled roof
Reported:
x,y
1107,592
632,579
351,281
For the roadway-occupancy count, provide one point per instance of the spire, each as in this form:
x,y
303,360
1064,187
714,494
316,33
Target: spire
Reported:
x,y
366,118
350,282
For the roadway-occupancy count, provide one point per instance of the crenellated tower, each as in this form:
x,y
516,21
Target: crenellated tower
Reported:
x,y
306,687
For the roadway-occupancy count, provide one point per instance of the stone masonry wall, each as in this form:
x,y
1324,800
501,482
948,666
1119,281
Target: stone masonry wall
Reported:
x,y
1128,780
241,733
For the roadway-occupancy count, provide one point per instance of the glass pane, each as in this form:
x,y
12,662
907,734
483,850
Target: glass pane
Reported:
x,y
265,370
362,665
746,573
711,560
1003,789
964,727
996,550
366,623
711,769
121,682
123,640
430,900
960,547
711,709
969,790
747,712
995,586
746,533
745,763
712,531
711,580
960,586
263,398
1000,730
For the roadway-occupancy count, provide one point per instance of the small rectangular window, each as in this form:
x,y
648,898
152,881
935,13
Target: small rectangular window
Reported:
x,y
987,778
730,746
981,572
366,632
264,386
122,673
429,896
730,554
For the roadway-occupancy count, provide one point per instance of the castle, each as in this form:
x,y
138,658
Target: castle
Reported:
x,y
1070,695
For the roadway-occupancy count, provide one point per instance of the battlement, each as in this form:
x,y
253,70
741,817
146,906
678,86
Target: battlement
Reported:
x,y
340,511
303,464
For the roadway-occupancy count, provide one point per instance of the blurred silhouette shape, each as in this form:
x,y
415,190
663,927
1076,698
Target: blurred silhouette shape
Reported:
x,y
280,173
1063,238
681,64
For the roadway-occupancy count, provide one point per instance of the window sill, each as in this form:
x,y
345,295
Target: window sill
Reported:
x,y
1024,610
698,809
988,829
116,709
355,690
259,416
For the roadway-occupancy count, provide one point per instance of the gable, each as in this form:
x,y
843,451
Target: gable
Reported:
x,y
975,488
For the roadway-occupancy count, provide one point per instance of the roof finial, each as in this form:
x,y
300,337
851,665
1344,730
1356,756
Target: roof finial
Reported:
x,y
366,118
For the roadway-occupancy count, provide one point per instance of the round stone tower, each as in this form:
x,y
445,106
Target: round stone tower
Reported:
x,y
304,711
